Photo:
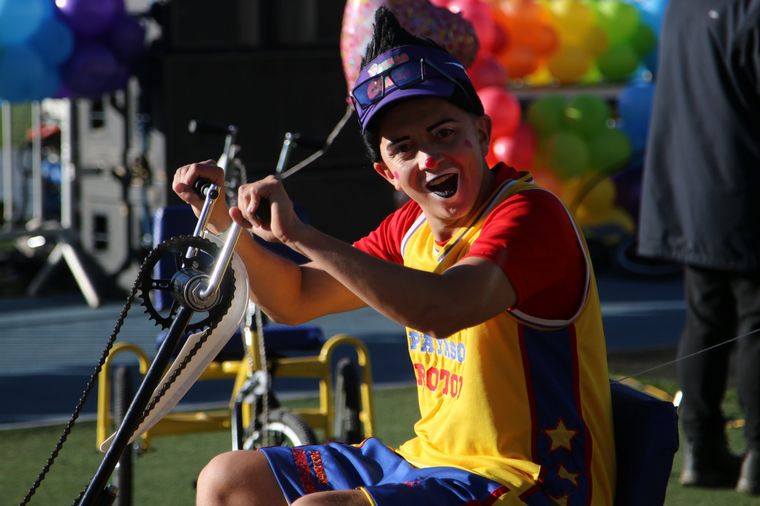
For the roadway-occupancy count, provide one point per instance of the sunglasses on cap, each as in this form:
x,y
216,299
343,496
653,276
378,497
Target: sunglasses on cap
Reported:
x,y
402,76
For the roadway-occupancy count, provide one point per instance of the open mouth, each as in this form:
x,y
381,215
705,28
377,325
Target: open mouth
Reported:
x,y
444,186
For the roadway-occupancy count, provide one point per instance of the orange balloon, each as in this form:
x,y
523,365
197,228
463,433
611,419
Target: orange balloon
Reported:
x,y
519,61
524,11
542,39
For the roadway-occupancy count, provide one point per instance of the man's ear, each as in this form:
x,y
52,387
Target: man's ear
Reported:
x,y
484,133
386,173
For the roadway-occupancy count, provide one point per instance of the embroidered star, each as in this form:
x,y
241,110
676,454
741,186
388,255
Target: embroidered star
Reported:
x,y
561,501
567,475
561,436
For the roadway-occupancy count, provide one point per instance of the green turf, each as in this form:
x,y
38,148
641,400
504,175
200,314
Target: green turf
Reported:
x,y
165,474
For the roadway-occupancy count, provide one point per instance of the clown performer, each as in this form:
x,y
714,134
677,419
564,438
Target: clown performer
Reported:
x,y
490,277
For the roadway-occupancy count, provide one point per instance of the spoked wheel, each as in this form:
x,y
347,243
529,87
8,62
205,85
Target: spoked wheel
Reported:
x,y
124,471
348,426
283,428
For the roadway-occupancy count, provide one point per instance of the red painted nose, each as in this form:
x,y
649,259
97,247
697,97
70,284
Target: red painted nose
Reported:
x,y
429,162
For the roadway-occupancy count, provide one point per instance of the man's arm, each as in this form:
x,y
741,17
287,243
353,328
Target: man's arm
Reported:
x,y
288,292
468,293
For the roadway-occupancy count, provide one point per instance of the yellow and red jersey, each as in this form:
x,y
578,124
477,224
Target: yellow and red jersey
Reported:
x,y
522,398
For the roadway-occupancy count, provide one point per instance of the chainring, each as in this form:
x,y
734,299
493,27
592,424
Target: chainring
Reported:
x,y
155,288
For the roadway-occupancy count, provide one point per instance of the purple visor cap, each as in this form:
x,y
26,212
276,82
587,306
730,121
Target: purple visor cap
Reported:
x,y
404,72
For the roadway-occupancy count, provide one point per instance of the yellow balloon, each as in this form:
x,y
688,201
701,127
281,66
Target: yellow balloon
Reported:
x,y
595,41
572,19
541,77
568,64
589,195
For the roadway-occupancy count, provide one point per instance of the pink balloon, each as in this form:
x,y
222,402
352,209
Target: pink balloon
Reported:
x,y
487,71
420,17
503,108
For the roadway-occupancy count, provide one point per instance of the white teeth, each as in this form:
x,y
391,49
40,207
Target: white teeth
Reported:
x,y
440,179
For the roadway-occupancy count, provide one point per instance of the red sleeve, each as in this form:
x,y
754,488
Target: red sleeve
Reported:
x,y
531,237
385,241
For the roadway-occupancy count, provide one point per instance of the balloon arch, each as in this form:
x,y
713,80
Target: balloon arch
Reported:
x,y
573,143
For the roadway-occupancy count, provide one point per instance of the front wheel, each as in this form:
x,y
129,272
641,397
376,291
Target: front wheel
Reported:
x,y
282,428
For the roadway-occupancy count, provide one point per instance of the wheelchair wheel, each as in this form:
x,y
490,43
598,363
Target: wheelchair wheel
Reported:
x,y
283,428
348,427
123,473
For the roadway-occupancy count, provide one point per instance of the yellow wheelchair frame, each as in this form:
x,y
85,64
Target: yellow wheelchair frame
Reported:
x,y
312,366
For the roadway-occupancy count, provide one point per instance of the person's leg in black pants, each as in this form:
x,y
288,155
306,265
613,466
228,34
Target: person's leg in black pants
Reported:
x,y
747,293
702,377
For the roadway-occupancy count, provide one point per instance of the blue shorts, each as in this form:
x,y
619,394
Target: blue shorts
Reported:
x,y
386,478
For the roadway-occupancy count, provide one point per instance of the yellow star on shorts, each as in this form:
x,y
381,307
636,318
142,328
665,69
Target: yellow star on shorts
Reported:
x,y
561,436
567,475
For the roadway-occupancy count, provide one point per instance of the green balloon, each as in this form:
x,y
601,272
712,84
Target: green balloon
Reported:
x,y
618,19
618,62
587,114
566,153
644,40
546,114
609,150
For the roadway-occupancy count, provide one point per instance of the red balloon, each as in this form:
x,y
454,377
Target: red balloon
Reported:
x,y
420,17
503,108
518,150
487,71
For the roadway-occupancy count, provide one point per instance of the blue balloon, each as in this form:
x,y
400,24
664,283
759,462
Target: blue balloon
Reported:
x,y
652,13
54,41
635,110
19,19
23,73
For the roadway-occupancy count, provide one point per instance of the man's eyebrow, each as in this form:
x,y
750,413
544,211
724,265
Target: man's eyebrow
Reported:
x,y
439,123
429,129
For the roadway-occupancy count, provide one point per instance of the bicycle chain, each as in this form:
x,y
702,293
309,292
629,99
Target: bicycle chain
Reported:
x,y
145,269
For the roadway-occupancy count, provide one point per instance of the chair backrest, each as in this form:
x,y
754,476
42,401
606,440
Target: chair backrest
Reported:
x,y
646,440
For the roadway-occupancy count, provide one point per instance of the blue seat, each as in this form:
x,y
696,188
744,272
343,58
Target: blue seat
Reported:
x,y
646,440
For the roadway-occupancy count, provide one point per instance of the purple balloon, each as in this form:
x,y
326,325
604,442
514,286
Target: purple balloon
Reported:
x,y
90,18
90,70
127,38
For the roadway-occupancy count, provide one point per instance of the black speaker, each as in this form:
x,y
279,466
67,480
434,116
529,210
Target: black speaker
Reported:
x,y
246,24
266,94
221,24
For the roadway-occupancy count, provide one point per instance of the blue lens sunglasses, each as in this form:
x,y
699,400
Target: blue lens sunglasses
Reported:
x,y
403,76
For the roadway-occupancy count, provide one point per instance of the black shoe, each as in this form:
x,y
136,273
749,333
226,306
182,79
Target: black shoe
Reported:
x,y
710,465
749,479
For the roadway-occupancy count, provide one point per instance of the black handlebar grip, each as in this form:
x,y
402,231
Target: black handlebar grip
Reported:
x,y
210,127
308,142
202,186
263,212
